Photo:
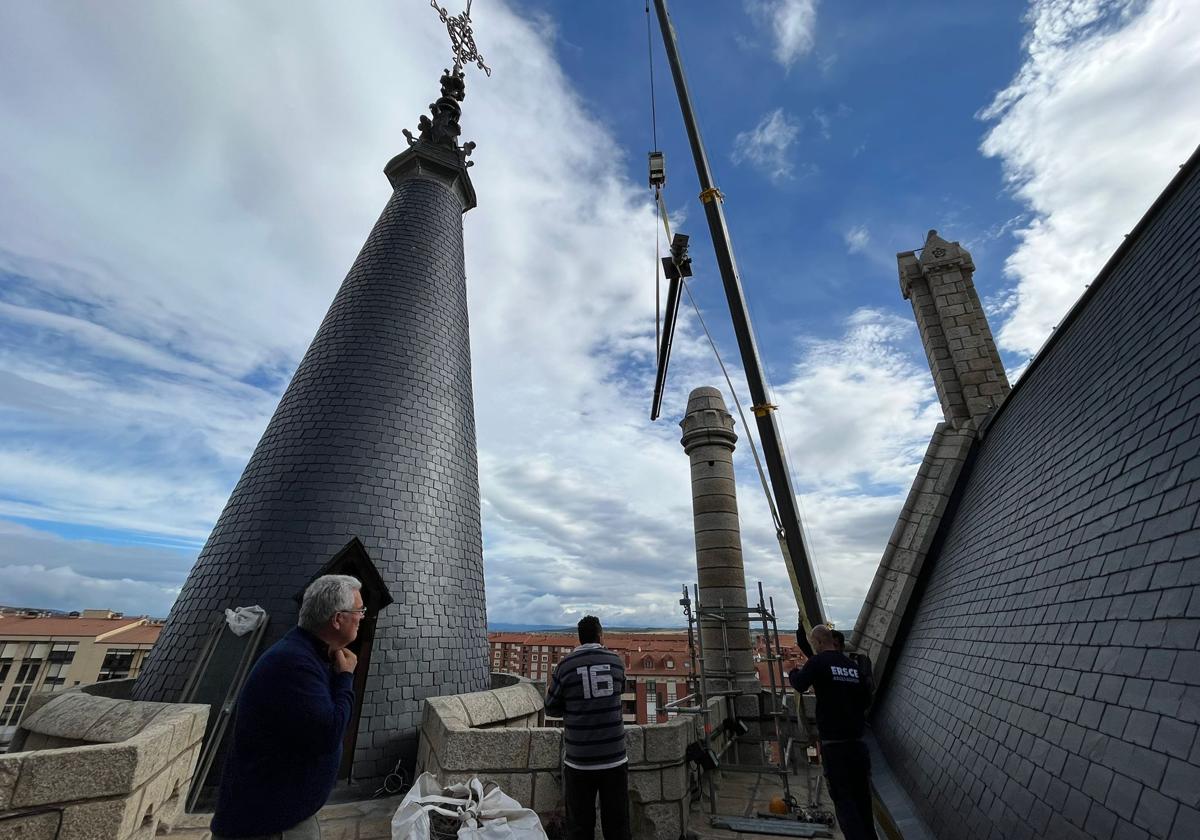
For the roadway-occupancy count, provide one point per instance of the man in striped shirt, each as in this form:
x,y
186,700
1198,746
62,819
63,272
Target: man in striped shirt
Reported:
x,y
585,691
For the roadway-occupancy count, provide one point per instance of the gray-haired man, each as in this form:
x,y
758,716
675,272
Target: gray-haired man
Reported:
x,y
291,717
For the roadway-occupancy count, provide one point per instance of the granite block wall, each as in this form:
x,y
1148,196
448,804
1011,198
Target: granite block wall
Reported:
x,y
84,766
375,439
1047,681
498,736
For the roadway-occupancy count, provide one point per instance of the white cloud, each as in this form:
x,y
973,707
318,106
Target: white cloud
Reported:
x,y
39,586
792,24
857,239
1089,131
862,407
766,147
160,290
42,570
857,410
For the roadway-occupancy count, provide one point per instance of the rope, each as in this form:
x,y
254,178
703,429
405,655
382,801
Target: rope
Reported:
x,y
762,476
650,55
804,518
657,194
768,377
711,194
394,782
662,213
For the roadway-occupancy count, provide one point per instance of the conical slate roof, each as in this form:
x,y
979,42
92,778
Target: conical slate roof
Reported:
x,y
373,440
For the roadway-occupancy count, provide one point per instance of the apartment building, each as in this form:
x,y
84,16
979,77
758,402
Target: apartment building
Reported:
x,y
657,665
45,652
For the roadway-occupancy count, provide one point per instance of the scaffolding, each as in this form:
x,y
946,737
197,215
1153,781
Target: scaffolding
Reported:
x,y
772,706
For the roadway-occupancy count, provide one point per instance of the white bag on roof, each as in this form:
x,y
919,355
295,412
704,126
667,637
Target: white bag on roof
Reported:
x,y
483,812
242,620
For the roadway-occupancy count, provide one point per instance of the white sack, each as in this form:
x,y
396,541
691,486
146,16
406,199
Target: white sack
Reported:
x,y
490,815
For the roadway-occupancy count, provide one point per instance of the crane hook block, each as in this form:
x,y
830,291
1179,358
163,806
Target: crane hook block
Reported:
x,y
658,170
679,264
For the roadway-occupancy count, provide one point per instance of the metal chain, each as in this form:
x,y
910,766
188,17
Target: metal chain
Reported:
x,y
462,38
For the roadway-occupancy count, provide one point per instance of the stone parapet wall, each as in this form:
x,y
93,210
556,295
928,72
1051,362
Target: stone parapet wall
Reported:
x,y
368,819
84,767
499,736
971,382
895,581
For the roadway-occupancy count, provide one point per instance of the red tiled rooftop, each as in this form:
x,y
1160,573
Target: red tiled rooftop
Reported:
x,y
143,634
15,626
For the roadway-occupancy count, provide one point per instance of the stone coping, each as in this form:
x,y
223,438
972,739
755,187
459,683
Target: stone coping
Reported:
x,y
105,767
499,735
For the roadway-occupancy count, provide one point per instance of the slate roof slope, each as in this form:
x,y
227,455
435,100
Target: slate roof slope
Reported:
x,y
1047,682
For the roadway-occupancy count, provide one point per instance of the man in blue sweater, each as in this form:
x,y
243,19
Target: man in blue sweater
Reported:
x,y
585,691
291,718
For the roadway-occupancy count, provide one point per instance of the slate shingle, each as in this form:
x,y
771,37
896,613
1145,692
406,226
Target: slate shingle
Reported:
x,y
1068,577
381,400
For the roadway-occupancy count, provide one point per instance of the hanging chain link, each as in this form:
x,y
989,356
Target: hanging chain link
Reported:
x,y
462,39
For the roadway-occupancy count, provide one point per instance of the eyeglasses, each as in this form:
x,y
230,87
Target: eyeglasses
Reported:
x,y
361,612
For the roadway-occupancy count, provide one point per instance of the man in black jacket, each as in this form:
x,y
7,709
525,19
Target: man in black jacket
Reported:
x,y
843,694
585,691
862,661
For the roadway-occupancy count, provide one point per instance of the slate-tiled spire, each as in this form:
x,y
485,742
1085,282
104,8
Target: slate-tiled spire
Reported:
x,y
375,439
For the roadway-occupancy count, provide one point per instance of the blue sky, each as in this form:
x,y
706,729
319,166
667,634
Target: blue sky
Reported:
x,y
184,185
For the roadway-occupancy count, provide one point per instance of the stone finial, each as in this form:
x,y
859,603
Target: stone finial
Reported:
x,y
443,130
963,359
938,251
435,153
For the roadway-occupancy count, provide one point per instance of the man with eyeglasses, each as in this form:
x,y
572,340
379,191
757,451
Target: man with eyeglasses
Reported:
x,y
291,717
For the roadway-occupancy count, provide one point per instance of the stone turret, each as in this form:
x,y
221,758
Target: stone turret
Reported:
x,y
369,467
971,383
709,439
967,371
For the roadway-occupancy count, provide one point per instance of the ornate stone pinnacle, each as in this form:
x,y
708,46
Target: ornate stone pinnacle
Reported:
x,y
443,129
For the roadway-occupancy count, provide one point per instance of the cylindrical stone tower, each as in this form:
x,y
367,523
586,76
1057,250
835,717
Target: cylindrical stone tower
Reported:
x,y
709,439
374,439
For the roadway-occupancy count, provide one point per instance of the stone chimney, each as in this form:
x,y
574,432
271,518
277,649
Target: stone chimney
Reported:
x,y
962,355
709,439
368,467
